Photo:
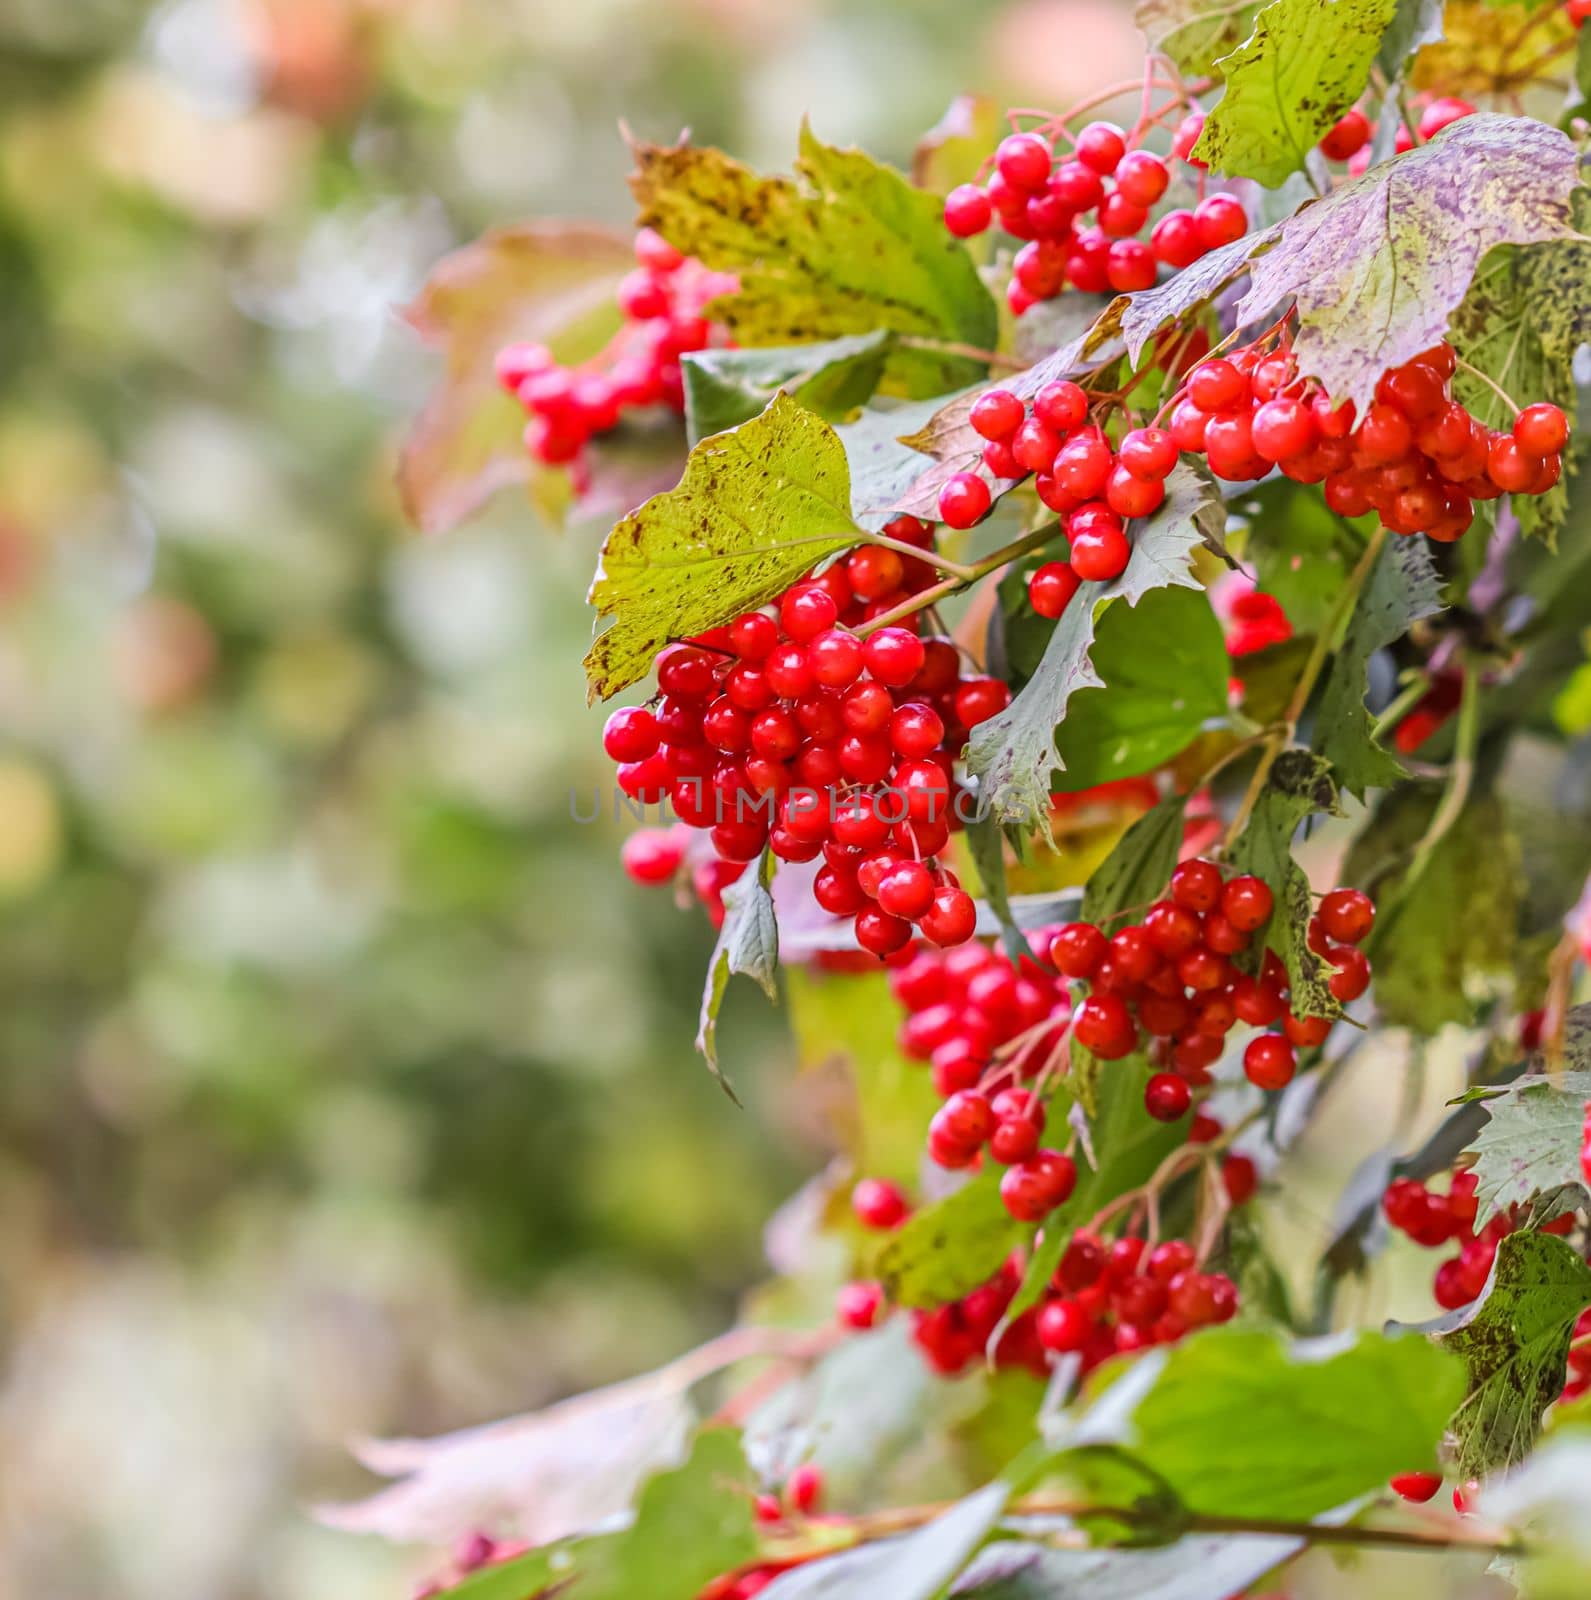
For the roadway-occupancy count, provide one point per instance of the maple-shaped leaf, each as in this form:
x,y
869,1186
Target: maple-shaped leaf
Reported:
x,y
1305,63
846,247
1195,34
1514,1341
1014,754
544,283
757,507
1377,267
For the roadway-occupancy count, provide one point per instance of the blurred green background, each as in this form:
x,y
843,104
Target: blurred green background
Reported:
x,y
346,1087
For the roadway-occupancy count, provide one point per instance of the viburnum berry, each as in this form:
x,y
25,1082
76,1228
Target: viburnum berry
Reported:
x,y
1441,113
1051,588
1167,1097
1347,136
1037,1186
879,1204
858,1305
1416,1486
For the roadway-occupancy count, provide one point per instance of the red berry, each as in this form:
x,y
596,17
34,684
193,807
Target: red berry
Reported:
x,y
879,1203
996,414
964,500
631,734
1416,1486
652,855
1100,554
1035,1188
1283,429
1186,136
1062,405
1269,1062
1246,902
1352,976
1051,587
1129,495
1077,949
1347,915
858,1304
1130,266
967,210
1239,1177
1175,239
1220,220
1104,1025
978,699
1167,1097
1023,160
1217,385
1440,113
1142,177
1064,1326
1148,453
1197,885
879,933
1306,1032
1541,430
805,1488
1347,137
806,611
894,656
1101,146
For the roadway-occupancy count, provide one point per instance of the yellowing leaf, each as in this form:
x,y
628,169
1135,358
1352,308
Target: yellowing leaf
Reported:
x,y
756,508
1195,34
1489,50
847,247
545,283
1305,64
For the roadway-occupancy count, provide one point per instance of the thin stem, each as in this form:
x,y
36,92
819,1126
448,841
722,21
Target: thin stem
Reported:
x,y
1495,387
1406,700
917,553
948,586
969,352
1459,780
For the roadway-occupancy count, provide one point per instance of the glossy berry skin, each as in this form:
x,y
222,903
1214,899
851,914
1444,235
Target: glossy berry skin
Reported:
x,y
1062,405
1541,430
964,500
652,855
1035,1188
1247,902
967,210
858,1305
1347,915
1416,1486
996,414
1197,885
1148,453
1347,137
1023,160
631,734
879,1204
1077,949
1104,1025
1101,146
1100,554
1269,1061
1440,113
1142,177
1220,220
1167,1097
1064,1327
1051,588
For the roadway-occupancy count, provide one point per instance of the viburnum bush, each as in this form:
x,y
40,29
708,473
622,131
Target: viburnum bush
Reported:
x,y
1115,657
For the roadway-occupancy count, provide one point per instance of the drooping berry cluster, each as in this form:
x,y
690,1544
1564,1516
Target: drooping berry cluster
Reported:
x,y
1171,976
662,302
1094,487
1045,201
1106,1298
1433,1220
1417,457
787,729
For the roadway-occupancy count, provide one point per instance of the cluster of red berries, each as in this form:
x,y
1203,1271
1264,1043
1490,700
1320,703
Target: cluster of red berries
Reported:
x,y
1097,489
1349,138
986,1026
1171,976
1044,201
1434,1220
1416,457
662,302
787,729
1105,1299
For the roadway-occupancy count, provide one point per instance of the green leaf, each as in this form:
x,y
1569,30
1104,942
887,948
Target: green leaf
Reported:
x,y
1520,324
854,1016
748,943
1305,63
987,844
543,283
1441,947
724,388
945,1250
1377,267
847,247
1242,1424
1154,702
1300,550
1415,24
757,508
1299,785
1013,755
690,1525
1531,1142
1195,34
1136,872
1514,1341
1402,588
